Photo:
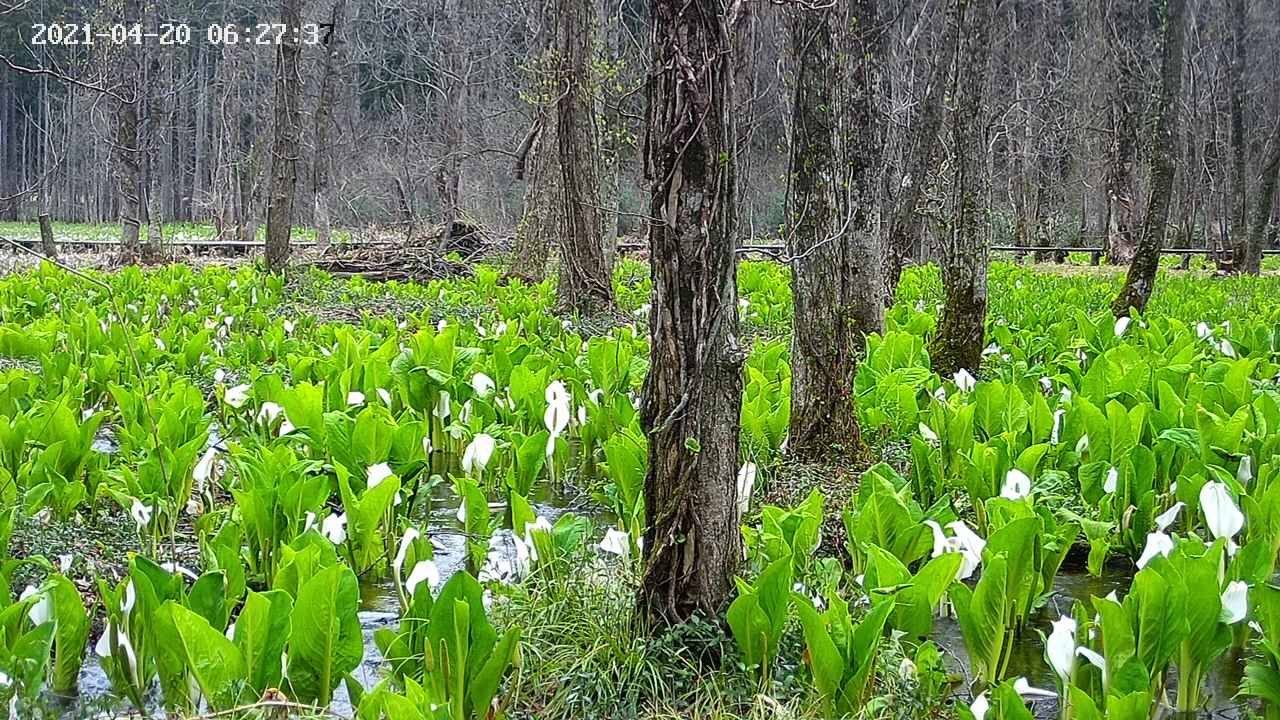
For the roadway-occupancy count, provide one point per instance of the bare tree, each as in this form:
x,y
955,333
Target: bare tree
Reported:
x,y
833,240
693,393
586,280
286,145
965,241
1164,164
322,158
127,148
904,227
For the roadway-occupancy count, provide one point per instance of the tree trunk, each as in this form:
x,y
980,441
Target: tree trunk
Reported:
x,y
540,220
1164,159
905,225
128,158
1127,93
1246,255
965,243
836,267
693,393
448,175
286,146
586,281
1095,79
155,115
1266,194
322,159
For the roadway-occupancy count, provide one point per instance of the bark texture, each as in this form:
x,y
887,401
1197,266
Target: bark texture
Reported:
x,y
286,146
586,279
965,241
1269,175
836,267
693,393
1246,256
1141,279
322,157
906,224
540,220
127,149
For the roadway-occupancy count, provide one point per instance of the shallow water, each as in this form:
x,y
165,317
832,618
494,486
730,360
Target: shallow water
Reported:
x,y
1027,658
379,601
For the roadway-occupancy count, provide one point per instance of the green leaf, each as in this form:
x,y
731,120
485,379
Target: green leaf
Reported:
x,y
209,656
326,642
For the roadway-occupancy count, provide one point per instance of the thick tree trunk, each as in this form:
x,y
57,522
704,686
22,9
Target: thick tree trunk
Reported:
x,y
1141,279
286,145
965,242
1127,94
906,224
1246,257
129,166
836,267
586,280
322,158
448,174
693,393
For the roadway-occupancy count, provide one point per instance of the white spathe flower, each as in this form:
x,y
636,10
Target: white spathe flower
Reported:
x,y
477,454
104,647
556,416
140,513
616,542
334,527
219,375
1082,444
410,535
174,568
442,408
288,327
1235,602
41,611
286,427
482,384
269,412
980,706
992,349
1060,647
556,393
1226,348
130,598
236,396
354,398
1016,485
1203,331
1025,689
64,563
384,395
963,541
462,512
1220,512
203,470
377,473
746,484
1112,481
1158,544
1122,324
964,380
1167,518
929,435
424,571
1245,472
1055,436
1047,385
